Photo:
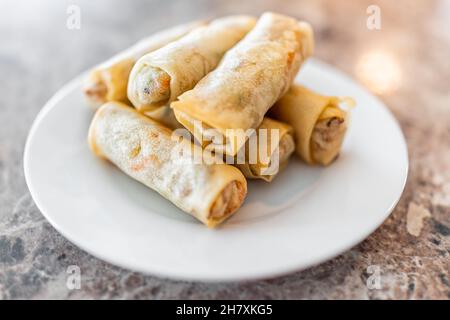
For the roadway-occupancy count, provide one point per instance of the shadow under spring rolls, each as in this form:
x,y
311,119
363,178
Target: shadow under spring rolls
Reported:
x,y
147,152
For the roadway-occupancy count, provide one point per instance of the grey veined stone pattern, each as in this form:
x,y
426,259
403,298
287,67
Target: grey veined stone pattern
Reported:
x,y
38,54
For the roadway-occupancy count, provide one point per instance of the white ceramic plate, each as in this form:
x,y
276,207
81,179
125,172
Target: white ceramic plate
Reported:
x,y
305,216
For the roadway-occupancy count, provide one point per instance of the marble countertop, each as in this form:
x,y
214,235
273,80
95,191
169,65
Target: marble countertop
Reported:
x,y
404,61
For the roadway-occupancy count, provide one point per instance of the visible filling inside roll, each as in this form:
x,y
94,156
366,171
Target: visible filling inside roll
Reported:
x,y
326,139
96,89
229,201
285,149
152,85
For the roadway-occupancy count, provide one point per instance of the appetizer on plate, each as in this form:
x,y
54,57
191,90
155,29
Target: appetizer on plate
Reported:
x,y
227,85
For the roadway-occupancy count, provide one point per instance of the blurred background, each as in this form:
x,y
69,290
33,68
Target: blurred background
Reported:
x,y
399,50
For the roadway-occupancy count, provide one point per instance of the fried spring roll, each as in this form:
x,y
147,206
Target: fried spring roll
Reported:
x,y
318,121
251,77
147,152
109,80
264,166
161,76
276,152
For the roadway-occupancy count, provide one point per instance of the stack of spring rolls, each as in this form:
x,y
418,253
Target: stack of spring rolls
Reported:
x,y
227,86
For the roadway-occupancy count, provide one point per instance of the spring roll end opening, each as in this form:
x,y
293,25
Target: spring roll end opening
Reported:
x,y
95,89
91,139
